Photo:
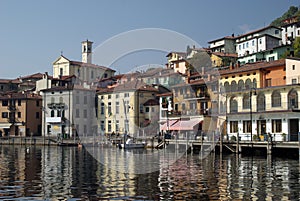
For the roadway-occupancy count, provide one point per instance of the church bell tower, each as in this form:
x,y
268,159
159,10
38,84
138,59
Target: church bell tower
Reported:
x,y
87,51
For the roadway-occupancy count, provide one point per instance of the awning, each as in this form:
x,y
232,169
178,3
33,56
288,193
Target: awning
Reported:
x,y
187,124
5,125
191,124
165,126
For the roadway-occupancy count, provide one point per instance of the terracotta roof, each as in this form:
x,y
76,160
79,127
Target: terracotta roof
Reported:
x,y
33,76
223,54
151,102
182,54
7,81
79,63
19,95
253,66
226,37
256,31
165,94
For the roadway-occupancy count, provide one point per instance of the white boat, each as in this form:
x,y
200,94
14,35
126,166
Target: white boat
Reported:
x,y
129,144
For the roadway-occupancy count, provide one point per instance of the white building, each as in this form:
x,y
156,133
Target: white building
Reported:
x,y
290,31
84,70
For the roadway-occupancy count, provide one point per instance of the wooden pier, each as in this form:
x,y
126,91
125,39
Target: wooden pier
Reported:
x,y
237,146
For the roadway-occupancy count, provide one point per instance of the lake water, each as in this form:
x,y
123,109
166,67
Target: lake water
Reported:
x,y
70,173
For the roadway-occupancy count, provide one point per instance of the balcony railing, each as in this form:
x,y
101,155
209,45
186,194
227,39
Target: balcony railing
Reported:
x,y
11,108
56,106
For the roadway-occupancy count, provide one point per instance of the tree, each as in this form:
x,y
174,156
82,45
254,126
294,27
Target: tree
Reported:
x,y
296,46
293,11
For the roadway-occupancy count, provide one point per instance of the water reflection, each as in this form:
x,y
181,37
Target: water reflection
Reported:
x,y
69,173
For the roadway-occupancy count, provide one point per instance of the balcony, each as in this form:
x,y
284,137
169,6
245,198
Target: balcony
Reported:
x,y
11,108
11,120
54,119
196,96
56,106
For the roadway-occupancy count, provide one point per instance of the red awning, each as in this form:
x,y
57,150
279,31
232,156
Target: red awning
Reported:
x,y
165,126
191,124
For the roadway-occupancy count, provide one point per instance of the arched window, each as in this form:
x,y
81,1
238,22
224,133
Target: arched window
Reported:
x,y
246,101
293,99
261,102
227,87
241,85
233,86
233,105
248,84
276,99
254,85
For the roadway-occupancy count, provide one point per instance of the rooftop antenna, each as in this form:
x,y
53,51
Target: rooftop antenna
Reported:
x,y
61,53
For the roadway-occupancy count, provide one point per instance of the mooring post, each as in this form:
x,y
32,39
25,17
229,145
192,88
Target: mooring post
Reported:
x,y
238,143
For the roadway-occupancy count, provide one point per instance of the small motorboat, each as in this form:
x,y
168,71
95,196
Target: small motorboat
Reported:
x,y
130,144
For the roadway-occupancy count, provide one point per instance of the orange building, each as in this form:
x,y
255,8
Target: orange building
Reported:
x,y
21,114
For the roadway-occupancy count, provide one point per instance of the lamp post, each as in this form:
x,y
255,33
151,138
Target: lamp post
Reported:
x,y
252,92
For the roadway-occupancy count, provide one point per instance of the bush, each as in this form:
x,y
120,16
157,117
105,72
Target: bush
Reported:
x,y
233,138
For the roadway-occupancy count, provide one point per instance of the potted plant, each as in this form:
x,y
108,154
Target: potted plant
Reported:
x,y
232,138
283,137
255,138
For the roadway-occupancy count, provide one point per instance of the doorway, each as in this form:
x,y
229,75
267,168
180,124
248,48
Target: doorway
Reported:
x,y
261,127
294,129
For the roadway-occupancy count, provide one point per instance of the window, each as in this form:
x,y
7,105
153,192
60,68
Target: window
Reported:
x,y
109,96
271,58
61,71
5,103
19,115
19,102
276,99
37,115
92,74
141,108
261,102
52,113
183,106
4,114
84,113
77,99
117,107
102,108
276,31
260,41
293,99
117,125
58,113
77,113
85,99
233,105
102,126
109,108
247,45
233,126
240,47
126,95
117,95
109,126
293,67
247,126
253,42
233,86
241,85
276,126
268,82
294,81
246,101
84,129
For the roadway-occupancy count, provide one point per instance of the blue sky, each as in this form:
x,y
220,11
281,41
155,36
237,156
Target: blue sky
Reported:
x,y
33,33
